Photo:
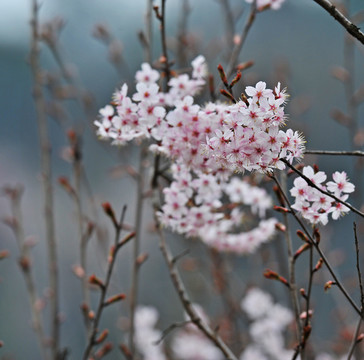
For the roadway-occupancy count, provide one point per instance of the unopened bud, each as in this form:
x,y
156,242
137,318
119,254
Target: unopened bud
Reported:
x,y
114,299
228,95
4,254
317,235
236,79
318,264
104,350
328,284
360,338
102,336
127,238
125,350
91,315
93,279
141,259
302,236
281,209
280,227
245,99
269,274
303,315
25,263
301,249
222,74
109,211
303,293
1,343
245,65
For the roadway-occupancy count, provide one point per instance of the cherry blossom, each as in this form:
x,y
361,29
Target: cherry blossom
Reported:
x,y
315,206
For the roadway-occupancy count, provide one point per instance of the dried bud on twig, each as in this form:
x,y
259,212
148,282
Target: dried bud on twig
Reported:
x,y
328,284
301,249
269,274
114,299
245,65
141,259
125,350
302,236
318,265
102,336
93,279
104,350
228,95
236,79
222,74
280,227
281,209
109,211
4,254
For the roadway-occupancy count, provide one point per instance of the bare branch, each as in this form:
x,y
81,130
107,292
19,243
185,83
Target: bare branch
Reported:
x,y
186,302
351,28
335,153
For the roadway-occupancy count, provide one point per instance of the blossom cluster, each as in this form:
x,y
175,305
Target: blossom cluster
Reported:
x,y
207,145
216,138
315,206
193,207
271,4
146,335
269,321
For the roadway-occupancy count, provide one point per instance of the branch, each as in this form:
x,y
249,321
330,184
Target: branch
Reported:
x,y
351,28
105,284
48,207
25,264
335,153
186,302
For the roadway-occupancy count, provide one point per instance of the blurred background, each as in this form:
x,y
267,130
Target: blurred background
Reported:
x,y
299,45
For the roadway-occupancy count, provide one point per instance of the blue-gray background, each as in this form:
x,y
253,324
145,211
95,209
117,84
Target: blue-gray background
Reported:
x,y
300,35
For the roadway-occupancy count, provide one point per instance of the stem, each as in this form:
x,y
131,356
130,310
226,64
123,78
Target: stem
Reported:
x,y
117,246
186,302
335,153
45,146
138,226
25,264
351,28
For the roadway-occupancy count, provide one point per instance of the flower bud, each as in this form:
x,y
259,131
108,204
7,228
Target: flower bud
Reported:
x,y
93,279
114,299
102,336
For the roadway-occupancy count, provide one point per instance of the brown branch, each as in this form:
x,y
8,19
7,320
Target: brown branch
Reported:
x,y
138,227
25,264
291,266
46,169
92,341
309,182
186,302
360,279
351,28
335,153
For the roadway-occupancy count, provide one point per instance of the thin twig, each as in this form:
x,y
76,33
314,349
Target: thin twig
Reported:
x,y
322,255
170,328
335,153
105,285
291,265
360,279
46,169
351,28
138,227
186,302
25,264
355,339
309,182
235,54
